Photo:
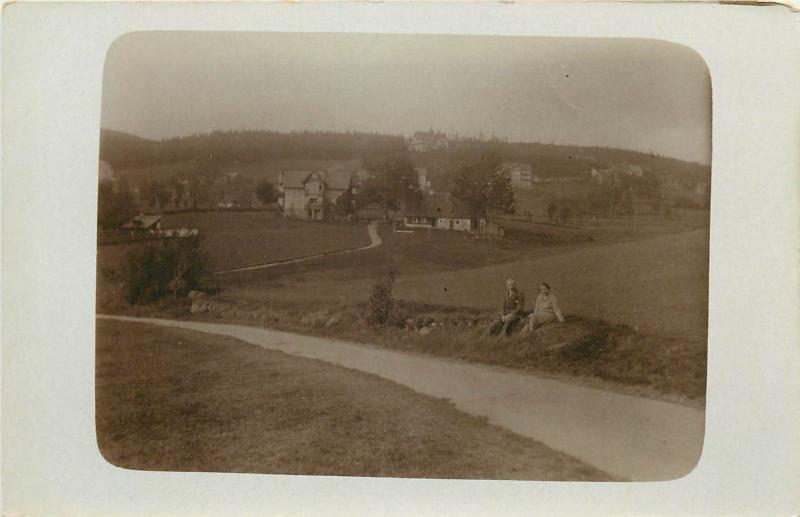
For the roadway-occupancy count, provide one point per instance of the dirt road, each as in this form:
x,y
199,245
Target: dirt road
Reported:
x,y
629,437
375,241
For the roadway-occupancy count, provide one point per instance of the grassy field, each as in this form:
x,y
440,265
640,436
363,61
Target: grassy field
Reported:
x,y
170,399
238,239
636,305
657,286
347,279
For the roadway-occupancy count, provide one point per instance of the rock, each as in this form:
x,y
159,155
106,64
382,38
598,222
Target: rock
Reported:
x,y
195,295
424,331
200,306
314,319
333,320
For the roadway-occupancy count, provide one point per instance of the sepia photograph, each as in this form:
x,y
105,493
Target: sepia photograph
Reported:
x,y
403,255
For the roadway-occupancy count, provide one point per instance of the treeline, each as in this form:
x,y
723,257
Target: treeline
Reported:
x,y
123,150
553,160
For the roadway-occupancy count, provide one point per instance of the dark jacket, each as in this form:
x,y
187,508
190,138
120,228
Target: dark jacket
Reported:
x,y
514,301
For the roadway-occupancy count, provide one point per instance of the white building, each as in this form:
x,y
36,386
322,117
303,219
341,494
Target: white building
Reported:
x,y
312,195
422,180
520,174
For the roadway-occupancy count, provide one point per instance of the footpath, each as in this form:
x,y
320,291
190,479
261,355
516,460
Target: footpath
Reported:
x,y
630,437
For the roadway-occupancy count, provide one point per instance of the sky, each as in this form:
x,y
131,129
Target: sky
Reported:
x,y
643,95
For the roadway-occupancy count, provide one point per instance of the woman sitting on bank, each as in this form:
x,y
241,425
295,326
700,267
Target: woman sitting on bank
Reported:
x,y
545,311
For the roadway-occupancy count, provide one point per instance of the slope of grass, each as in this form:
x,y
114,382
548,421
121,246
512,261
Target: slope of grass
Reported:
x,y
170,399
658,286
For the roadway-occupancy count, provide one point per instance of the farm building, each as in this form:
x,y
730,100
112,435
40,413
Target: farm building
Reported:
x,y
144,224
311,195
459,224
447,222
419,221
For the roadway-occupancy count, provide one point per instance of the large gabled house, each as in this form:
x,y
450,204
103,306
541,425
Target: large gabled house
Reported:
x,y
312,194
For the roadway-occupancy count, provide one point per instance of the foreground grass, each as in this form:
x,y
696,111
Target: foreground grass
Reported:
x,y
611,356
170,399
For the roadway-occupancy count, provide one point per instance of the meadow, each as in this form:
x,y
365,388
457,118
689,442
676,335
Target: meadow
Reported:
x,y
636,304
240,239
177,400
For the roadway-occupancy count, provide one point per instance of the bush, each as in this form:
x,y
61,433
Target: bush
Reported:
x,y
381,302
171,267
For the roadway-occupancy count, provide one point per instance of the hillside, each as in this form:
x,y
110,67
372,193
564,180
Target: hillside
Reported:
x,y
225,148
260,151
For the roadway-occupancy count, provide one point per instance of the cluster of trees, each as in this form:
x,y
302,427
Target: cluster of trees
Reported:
x,y
391,185
482,187
115,205
610,198
171,267
123,150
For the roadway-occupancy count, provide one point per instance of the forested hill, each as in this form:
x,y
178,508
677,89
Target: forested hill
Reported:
x,y
225,148
123,150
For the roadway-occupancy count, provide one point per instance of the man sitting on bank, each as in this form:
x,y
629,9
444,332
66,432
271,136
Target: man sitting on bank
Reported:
x,y
511,313
545,311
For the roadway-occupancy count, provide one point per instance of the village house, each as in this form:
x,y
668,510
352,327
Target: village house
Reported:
x,y
143,225
444,222
520,174
312,195
419,221
613,174
422,180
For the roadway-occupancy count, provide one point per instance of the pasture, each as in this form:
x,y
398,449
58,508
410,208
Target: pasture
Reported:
x,y
239,239
171,399
636,304
657,285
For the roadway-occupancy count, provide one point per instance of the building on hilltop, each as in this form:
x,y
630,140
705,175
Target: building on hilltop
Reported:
x,y
431,140
520,174
312,195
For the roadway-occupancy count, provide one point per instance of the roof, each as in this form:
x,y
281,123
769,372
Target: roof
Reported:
x,y
142,221
335,180
338,180
295,179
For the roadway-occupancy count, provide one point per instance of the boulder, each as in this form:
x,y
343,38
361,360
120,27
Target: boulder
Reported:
x,y
424,331
200,306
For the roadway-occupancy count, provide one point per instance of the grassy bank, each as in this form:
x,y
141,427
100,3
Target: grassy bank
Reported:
x,y
171,399
593,351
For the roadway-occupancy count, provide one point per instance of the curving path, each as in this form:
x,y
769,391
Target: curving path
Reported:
x,y
629,437
375,241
